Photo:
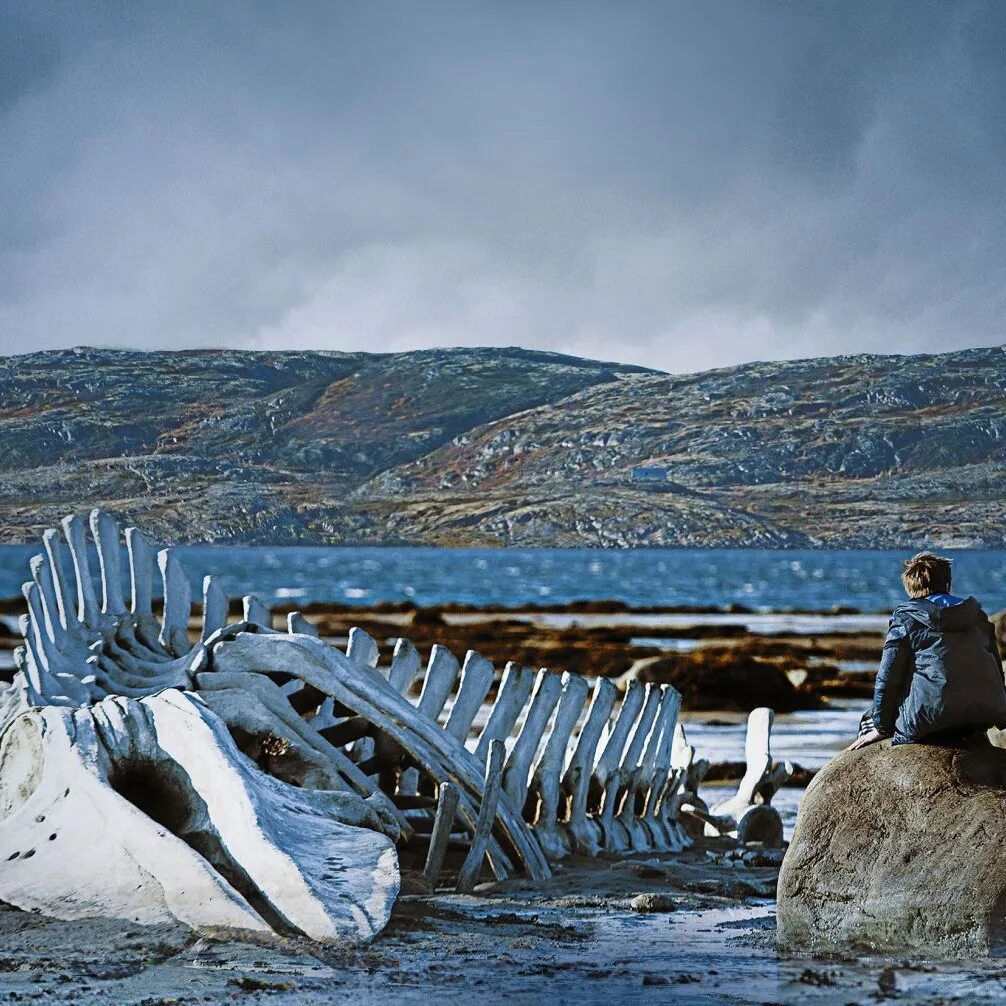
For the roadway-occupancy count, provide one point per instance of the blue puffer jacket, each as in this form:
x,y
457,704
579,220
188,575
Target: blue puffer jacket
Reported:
x,y
940,672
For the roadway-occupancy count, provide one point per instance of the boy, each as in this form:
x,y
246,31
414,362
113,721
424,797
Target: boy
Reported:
x,y
941,676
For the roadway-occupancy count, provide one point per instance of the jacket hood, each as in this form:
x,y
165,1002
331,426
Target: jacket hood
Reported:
x,y
940,619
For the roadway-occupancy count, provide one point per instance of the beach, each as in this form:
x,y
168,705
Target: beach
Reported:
x,y
575,940
694,927
577,937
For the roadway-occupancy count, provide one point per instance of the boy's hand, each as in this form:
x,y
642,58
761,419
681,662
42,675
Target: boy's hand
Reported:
x,y
861,742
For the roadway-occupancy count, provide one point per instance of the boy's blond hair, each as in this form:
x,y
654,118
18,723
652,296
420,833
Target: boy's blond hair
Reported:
x,y
926,574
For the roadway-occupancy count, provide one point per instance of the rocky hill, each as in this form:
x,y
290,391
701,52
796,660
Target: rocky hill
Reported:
x,y
508,447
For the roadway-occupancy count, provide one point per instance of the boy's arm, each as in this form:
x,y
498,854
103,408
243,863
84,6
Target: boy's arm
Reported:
x,y
892,676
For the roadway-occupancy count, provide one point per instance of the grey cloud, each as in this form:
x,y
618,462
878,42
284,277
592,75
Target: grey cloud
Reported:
x,y
676,184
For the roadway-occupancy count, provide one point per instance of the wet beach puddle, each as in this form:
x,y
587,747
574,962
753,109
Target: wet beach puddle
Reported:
x,y
609,955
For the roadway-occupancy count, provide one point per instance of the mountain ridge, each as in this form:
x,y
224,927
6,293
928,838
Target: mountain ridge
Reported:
x,y
507,447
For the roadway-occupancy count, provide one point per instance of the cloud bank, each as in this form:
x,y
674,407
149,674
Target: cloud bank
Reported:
x,y
675,184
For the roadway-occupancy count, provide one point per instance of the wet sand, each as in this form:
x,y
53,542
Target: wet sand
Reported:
x,y
576,939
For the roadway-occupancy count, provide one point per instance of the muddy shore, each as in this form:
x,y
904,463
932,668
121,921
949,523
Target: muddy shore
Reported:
x,y
697,927
582,938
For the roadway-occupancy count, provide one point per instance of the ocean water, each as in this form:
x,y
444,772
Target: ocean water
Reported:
x,y
760,579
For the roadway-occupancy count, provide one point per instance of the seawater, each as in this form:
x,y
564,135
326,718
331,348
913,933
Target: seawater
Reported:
x,y
760,579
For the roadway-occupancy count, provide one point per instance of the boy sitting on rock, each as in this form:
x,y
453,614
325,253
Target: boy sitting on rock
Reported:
x,y
941,676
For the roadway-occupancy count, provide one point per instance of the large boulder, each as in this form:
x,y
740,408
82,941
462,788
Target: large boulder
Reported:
x,y
900,849
730,677
999,622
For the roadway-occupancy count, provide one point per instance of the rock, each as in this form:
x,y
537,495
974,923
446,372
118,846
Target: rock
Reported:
x,y
653,903
728,677
760,823
999,621
899,849
820,978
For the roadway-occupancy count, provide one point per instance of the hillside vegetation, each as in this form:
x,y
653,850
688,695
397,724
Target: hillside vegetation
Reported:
x,y
507,447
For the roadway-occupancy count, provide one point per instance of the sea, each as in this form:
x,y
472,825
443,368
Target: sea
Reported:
x,y
758,579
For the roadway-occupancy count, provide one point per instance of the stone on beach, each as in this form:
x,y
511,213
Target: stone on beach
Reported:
x,y
899,849
730,677
652,902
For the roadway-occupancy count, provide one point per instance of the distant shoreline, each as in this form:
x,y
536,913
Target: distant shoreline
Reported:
x,y
15,604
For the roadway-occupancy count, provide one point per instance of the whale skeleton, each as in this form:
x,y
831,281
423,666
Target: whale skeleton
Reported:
x,y
251,777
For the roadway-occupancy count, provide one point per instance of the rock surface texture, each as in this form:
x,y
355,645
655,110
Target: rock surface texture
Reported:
x,y
900,850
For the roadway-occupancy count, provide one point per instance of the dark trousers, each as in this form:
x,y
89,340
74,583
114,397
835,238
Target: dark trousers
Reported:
x,y
953,737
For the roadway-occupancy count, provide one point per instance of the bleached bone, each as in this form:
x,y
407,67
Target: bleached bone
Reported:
x,y
547,691
640,778
491,794
757,755
582,833
87,603
140,571
614,836
297,623
255,612
477,676
758,759
40,682
447,806
441,675
662,819
603,781
370,696
617,827
105,532
215,607
257,707
362,649
762,777
514,691
546,777
717,823
270,855
660,836
681,788
54,553
43,649
107,649
344,737
174,635
54,628
405,666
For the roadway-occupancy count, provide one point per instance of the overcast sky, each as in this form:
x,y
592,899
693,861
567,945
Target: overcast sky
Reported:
x,y
683,185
